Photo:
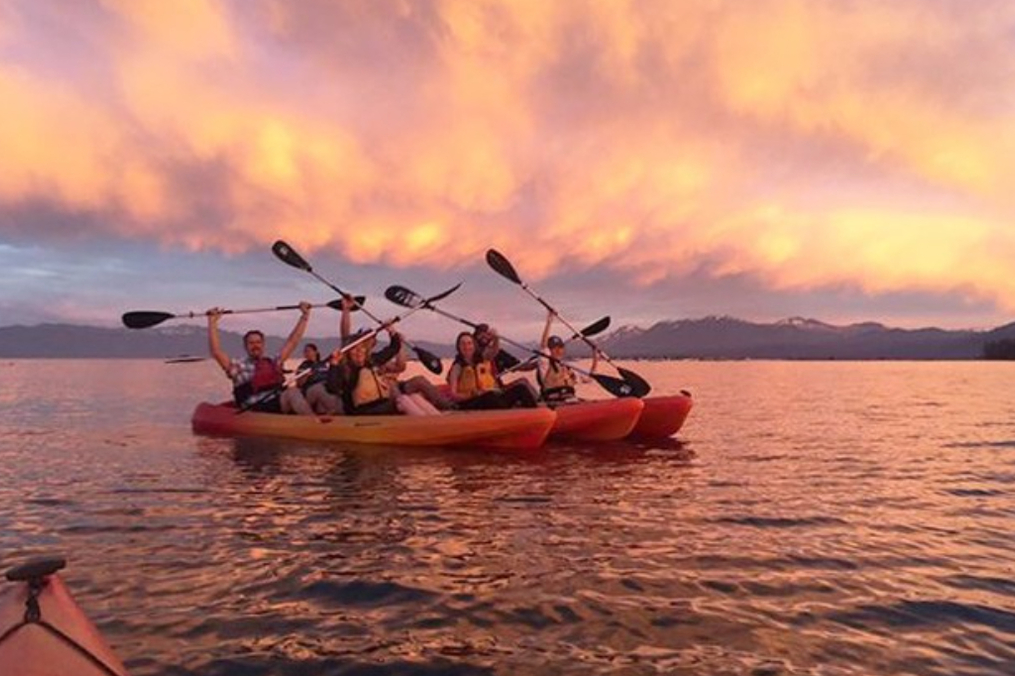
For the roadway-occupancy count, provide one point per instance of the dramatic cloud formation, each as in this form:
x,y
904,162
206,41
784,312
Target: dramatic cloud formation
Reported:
x,y
804,144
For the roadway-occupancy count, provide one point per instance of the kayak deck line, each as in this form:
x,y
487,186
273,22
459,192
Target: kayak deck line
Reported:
x,y
47,632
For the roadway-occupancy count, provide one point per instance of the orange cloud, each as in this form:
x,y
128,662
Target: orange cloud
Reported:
x,y
651,138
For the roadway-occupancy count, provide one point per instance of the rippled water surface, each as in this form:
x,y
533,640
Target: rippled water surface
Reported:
x,y
810,518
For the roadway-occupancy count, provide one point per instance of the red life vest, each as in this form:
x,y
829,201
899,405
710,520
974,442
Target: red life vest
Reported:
x,y
267,375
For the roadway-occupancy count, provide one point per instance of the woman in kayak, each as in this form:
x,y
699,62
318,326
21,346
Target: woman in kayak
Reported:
x,y
357,377
415,396
314,382
556,379
258,383
474,383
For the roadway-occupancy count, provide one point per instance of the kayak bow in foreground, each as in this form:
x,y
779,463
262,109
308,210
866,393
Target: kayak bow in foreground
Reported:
x,y
43,632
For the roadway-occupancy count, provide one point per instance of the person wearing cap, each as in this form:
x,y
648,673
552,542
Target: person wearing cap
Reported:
x,y
556,379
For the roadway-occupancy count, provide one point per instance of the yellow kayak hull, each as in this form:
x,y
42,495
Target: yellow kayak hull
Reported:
x,y
518,428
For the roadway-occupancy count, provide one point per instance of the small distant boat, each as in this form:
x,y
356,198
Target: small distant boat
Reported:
x,y
184,359
43,632
516,428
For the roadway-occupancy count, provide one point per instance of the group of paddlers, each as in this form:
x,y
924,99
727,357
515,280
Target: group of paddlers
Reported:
x,y
356,379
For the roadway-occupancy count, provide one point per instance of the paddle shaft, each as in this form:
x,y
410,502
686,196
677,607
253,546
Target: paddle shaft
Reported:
x,y
289,380
578,334
423,355
520,346
521,365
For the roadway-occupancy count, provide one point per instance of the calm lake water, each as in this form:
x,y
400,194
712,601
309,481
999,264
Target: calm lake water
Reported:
x,y
810,518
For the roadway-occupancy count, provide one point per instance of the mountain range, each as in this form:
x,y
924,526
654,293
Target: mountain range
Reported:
x,y
705,338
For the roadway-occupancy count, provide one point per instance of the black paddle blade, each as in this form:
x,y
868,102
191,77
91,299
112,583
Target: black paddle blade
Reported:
x,y
443,294
615,386
639,386
502,266
357,303
288,255
428,359
142,319
399,295
596,327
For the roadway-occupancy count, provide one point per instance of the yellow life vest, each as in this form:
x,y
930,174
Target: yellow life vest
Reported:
x,y
473,380
369,388
485,379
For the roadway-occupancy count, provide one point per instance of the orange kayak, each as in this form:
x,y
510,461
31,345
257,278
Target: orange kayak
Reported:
x,y
600,420
43,632
517,428
662,416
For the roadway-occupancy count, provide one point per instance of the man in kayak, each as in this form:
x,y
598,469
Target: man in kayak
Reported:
x,y
488,346
258,382
556,379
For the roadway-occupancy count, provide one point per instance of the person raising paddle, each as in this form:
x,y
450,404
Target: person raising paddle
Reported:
x,y
257,378
556,379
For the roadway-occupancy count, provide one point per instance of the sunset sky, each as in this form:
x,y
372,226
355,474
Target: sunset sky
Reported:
x,y
647,159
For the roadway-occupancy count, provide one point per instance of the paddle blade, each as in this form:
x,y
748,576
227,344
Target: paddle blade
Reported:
x,y
288,255
142,319
615,386
400,295
428,359
337,303
444,294
639,386
502,266
596,327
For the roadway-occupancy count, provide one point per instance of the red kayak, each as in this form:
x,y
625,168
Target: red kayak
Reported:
x,y
600,420
662,416
43,632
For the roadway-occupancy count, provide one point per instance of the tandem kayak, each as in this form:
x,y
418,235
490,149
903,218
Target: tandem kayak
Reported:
x,y
43,632
662,416
600,420
516,428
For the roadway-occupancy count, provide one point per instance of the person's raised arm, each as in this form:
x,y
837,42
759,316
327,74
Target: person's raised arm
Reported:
x,y
345,323
546,331
293,341
214,343
389,351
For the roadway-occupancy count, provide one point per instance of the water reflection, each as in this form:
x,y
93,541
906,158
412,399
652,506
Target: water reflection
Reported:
x,y
812,519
